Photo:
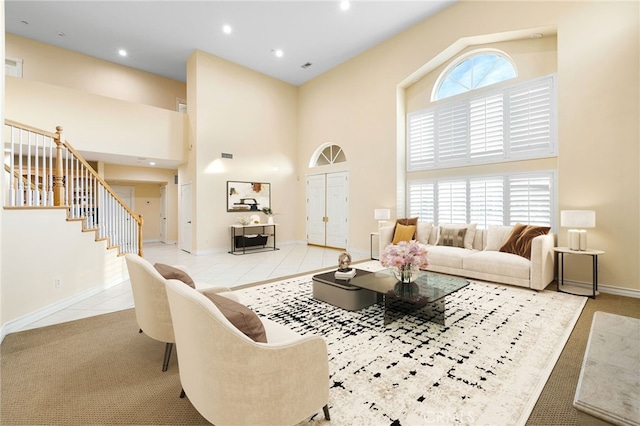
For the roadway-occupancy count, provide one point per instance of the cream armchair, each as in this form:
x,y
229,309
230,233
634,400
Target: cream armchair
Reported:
x,y
232,380
151,305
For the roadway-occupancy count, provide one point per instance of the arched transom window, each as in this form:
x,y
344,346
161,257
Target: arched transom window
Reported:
x,y
476,70
327,154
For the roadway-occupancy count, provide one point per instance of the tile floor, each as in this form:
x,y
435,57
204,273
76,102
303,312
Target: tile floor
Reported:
x,y
216,269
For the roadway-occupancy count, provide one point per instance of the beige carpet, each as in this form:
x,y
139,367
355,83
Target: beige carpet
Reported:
x,y
101,371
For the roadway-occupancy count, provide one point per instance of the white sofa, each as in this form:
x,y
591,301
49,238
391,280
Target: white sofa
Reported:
x,y
484,261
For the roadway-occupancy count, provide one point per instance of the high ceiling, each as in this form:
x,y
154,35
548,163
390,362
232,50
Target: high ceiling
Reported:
x,y
159,36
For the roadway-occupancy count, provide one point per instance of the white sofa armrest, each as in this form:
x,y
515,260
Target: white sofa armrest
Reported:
x,y
385,237
542,261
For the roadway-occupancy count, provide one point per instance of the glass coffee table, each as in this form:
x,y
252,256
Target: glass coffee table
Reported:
x,y
426,297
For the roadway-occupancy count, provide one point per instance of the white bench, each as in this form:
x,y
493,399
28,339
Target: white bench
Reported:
x,y
609,384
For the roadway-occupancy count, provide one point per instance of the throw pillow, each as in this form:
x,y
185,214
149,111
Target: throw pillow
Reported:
x,y
423,231
468,236
519,241
496,236
406,221
403,233
243,318
173,273
452,237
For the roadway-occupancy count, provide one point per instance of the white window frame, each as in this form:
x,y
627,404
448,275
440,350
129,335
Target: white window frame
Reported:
x,y
428,205
443,136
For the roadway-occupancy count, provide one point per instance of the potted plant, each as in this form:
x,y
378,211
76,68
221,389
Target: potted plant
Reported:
x,y
269,213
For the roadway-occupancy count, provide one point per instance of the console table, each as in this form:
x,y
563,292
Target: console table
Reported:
x,y
243,242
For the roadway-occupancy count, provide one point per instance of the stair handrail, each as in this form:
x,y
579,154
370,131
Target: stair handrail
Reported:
x,y
62,192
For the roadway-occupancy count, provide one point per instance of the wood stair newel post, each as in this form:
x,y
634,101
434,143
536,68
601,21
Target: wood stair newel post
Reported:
x,y
58,181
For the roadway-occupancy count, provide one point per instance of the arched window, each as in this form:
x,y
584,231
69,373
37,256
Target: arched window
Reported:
x,y
327,154
473,71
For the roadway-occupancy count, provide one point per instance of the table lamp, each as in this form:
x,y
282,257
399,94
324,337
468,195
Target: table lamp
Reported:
x,y
381,215
577,219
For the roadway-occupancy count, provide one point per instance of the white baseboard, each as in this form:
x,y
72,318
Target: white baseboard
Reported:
x,y
23,321
603,288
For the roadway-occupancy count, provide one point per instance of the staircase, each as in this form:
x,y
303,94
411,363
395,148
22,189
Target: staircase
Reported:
x,y
45,171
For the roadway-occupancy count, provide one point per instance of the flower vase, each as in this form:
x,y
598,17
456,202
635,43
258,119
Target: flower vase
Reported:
x,y
406,274
270,220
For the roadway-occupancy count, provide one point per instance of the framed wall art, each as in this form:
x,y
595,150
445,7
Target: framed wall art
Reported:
x,y
248,196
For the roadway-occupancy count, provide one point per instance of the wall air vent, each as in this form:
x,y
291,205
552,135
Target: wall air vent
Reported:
x,y
13,67
225,155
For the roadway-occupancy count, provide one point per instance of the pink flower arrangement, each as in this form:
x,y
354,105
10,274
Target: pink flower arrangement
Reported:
x,y
404,255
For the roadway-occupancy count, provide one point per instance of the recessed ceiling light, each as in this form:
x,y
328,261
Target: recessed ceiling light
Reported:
x,y
226,29
535,35
279,53
152,163
122,52
345,5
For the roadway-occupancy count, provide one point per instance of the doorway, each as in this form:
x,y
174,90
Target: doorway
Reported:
x,y
328,209
186,209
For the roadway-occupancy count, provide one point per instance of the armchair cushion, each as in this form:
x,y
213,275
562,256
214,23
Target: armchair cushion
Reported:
x,y
243,318
172,273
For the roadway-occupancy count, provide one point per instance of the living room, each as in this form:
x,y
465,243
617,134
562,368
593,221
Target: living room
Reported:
x,y
592,46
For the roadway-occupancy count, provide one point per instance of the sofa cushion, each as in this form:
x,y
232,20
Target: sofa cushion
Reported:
x,y
243,318
172,273
469,235
452,237
519,241
406,221
423,232
450,257
496,236
498,263
403,233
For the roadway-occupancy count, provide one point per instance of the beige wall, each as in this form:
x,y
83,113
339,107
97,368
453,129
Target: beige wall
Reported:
x,y
97,124
61,67
29,270
2,175
252,116
354,105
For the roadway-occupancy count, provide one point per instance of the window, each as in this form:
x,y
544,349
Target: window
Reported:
x,y
473,72
486,200
329,154
511,123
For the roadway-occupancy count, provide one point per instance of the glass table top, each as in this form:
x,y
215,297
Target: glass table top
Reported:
x,y
428,287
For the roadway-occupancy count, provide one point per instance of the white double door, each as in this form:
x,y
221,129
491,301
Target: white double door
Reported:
x,y
328,209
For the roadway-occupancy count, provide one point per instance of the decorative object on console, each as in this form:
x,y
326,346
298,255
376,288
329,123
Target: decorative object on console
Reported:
x,y
382,215
270,214
405,259
255,219
244,220
577,219
344,271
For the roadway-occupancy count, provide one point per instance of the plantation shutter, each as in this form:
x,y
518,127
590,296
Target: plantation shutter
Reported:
x,y
422,200
530,117
516,122
530,200
486,127
452,133
486,206
452,201
421,140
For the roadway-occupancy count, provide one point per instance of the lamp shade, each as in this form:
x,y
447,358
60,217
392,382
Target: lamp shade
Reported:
x,y
578,218
382,214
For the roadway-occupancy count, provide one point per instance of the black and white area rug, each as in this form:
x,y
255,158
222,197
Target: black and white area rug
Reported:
x,y
487,366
